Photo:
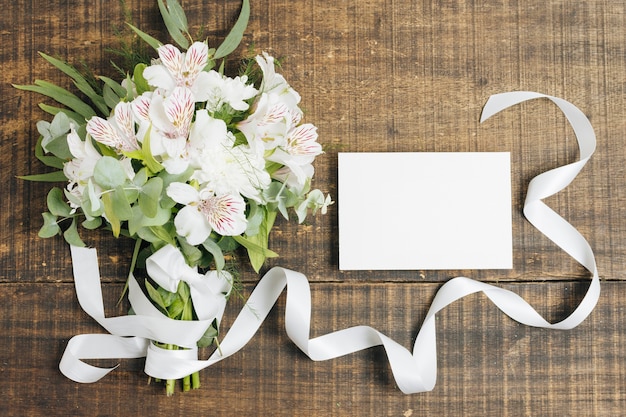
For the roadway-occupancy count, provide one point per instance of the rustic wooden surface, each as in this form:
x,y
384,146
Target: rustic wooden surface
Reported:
x,y
376,75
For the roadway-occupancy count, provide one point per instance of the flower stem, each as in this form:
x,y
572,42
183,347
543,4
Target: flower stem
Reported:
x,y
195,380
170,384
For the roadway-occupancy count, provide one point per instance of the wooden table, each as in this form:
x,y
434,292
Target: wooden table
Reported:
x,y
374,75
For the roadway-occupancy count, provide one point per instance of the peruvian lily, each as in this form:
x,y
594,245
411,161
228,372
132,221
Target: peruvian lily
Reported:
x,y
205,211
118,131
275,84
171,121
299,152
181,69
79,170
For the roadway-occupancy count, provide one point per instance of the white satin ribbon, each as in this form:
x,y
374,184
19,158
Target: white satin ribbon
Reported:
x,y
414,372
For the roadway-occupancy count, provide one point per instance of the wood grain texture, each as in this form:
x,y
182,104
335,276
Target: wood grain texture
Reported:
x,y
374,75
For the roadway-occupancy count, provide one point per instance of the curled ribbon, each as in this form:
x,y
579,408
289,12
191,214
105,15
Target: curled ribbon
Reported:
x,y
413,371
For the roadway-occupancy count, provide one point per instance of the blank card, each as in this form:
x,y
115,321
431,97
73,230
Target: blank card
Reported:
x,y
418,211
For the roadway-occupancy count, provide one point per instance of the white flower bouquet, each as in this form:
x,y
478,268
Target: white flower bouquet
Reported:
x,y
180,157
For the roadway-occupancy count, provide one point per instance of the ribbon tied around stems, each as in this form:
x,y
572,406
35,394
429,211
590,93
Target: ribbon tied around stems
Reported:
x,y
413,371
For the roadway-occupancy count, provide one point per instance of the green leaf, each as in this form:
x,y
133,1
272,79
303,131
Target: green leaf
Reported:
x,y
216,251
171,24
71,235
57,204
162,233
56,176
55,110
193,255
114,85
256,252
92,223
80,82
139,220
183,291
178,15
120,203
50,226
236,33
155,296
145,155
58,147
176,308
111,215
209,336
140,82
48,160
110,98
109,173
150,195
147,38
61,95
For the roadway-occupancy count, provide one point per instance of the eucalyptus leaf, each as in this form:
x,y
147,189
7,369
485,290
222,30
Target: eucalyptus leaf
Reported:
x,y
50,226
109,173
150,195
192,254
56,203
121,206
58,147
138,220
71,235
93,223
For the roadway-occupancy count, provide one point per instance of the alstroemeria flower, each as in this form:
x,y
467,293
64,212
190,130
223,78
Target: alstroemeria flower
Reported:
x,y
276,84
118,131
205,211
171,121
181,69
80,169
299,152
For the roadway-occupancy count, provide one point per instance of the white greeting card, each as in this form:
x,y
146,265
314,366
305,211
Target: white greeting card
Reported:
x,y
418,211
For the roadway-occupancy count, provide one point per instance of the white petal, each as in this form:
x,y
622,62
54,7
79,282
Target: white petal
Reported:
x,y
179,108
76,145
192,225
172,59
159,76
196,59
102,131
226,214
183,193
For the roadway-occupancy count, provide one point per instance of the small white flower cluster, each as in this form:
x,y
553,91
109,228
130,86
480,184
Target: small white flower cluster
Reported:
x,y
223,140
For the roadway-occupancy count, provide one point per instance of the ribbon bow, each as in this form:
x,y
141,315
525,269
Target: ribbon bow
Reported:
x,y
167,267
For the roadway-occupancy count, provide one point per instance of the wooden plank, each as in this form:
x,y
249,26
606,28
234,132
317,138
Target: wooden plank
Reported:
x,y
488,364
375,75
